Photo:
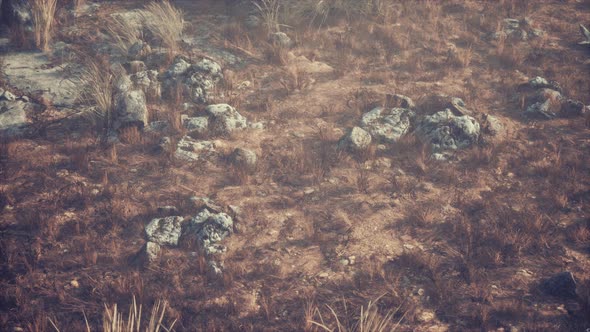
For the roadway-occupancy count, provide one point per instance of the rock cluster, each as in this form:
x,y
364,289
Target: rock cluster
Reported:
x,y
544,100
207,228
198,79
515,29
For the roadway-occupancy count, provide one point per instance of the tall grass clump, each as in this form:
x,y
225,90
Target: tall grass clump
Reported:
x,y
97,83
166,23
43,12
269,13
368,320
113,320
123,33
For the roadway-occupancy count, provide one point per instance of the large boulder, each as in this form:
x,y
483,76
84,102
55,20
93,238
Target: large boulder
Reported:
x,y
210,228
224,119
195,80
357,139
387,125
165,231
131,109
446,131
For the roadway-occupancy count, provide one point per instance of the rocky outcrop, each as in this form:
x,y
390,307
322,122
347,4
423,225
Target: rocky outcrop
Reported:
x,y
446,131
387,125
210,228
189,149
544,100
165,231
195,80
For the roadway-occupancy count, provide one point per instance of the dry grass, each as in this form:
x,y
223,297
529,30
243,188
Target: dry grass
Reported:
x,y
123,34
96,82
269,11
166,23
43,12
369,319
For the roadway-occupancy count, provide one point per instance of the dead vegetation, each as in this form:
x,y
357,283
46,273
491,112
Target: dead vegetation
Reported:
x,y
386,238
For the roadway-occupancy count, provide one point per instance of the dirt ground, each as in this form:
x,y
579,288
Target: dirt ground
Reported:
x,y
462,244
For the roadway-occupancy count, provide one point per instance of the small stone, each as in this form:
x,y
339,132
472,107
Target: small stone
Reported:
x,y
74,283
357,139
281,39
168,209
244,158
426,316
7,95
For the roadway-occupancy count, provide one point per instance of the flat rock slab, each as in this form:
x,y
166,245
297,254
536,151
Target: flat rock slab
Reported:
x,y
32,73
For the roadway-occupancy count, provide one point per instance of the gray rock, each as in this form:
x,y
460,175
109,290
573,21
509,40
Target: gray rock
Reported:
x,y
280,39
541,109
357,139
198,79
572,108
165,144
7,95
387,125
446,131
214,269
122,84
208,66
195,125
138,50
152,251
131,109
493,126
157,126
210,228
224,119
519,30
191,150
560,285
539,82
244,158
148,82
13,118
177,68
165,231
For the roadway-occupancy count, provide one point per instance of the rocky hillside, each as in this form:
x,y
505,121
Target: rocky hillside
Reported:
x,y
278,165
